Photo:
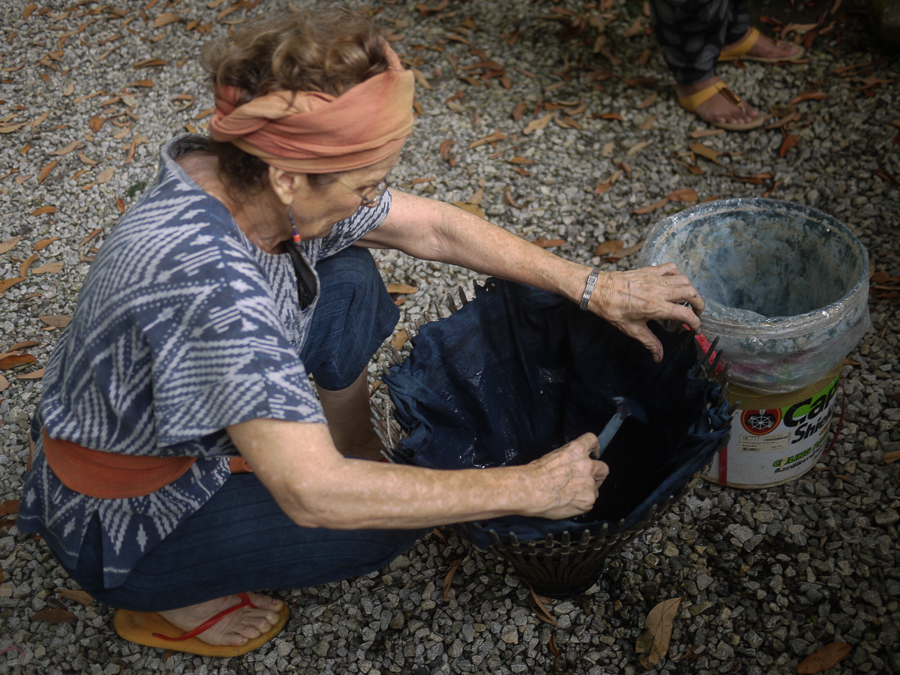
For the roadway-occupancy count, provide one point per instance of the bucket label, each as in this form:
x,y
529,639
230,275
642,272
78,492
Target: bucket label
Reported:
x,y
774,445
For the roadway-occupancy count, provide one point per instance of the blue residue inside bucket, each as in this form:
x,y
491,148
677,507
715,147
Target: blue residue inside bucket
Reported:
x,y
786,286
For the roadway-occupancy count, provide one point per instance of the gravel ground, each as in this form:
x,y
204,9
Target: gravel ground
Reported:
x,y
767,576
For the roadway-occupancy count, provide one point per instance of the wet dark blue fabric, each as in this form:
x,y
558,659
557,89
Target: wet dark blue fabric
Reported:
x,y
518,372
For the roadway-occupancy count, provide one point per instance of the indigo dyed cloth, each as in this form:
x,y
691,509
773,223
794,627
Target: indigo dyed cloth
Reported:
x,y
183,327
518,372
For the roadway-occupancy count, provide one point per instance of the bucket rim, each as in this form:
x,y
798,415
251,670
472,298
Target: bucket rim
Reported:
x,y
807,321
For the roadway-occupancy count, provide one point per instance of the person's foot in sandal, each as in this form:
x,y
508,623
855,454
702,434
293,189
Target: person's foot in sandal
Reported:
x,y
715,104
756,46
236,628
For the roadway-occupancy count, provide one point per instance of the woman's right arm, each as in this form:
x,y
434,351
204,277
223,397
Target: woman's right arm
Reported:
x,y
316,486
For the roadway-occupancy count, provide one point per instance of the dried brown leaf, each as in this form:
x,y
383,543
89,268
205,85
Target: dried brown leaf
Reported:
x,y
106,175
33,375
889,457
825,658
93,234
24,345
42,176
535,125
471,208
80,597
399,340
56,320
625,252
649,101
40,119
10,128
8,507
6,284
445,148
703,133
96,123
149,63
28,262
650,208
41,211
85,159
166,18
809,96
9,244
493,138
547,243
519,111
609,247
4,384
637,147
708,153
540,607
74,145
28,11
55,615
477,197
421,79
790,141
15,360
49,268
553,648
521,160
653,645
403,289
448,580
683,195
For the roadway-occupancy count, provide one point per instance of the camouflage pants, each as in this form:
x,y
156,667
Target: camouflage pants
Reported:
x,y
692,33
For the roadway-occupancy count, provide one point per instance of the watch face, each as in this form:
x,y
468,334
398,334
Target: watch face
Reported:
x,y
760,422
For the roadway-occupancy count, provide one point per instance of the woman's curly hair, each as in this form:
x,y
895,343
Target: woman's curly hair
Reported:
x,y
326,49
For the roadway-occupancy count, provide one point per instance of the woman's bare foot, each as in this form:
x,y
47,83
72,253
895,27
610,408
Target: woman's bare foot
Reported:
x,y
767,48
720,108
234,629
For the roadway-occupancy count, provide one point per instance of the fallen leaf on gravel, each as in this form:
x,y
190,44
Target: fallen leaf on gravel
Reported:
x,y
33,375
74,145
142,83
703,133
14,360
8,507
85,159
650,208
625,252
106,175
703,151
41,211
519,111
540,606
49,268
10,128
399,340
96,123
471,208
824,659
80,597
28,11
553,647
149,63
611,116
609,247
42,176
93,234
4,383
637,147
493,138
890,457
40,119
54,616
547,243
521,160
166,19
24,345
56,320
507,197
403,289
634,28
541,123
653,645
9,244
647,102
648,123
28,262
790,141
809,96
421,79
448,580
476,197
881,173
6,284
445,148
683,195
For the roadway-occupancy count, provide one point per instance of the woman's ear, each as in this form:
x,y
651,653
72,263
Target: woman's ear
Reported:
x,y
286,184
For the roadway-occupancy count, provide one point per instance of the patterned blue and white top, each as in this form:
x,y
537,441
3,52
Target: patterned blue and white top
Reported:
x,y
183,327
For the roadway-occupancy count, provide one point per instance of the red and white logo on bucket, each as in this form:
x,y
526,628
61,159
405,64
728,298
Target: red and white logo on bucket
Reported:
x,y
760,422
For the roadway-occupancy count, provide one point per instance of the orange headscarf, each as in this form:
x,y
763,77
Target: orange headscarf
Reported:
x,y
313,132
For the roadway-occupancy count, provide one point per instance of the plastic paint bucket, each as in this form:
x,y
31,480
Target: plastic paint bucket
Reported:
x,y
786,289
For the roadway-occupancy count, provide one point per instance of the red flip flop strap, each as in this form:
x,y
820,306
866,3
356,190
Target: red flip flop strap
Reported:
x,y
209,623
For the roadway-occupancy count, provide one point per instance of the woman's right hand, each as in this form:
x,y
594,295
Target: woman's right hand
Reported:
x,y
566,481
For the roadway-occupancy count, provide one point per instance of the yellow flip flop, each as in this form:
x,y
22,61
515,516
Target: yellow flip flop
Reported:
x,y
695,100
151,630
741,49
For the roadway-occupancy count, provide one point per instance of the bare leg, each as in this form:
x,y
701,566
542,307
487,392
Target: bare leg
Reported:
x,y
348,414
235,629
719,108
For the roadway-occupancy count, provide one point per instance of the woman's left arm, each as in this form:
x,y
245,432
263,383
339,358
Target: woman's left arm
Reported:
x,y
433,230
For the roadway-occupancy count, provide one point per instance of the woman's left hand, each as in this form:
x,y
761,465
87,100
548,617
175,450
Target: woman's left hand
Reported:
x,y
629,299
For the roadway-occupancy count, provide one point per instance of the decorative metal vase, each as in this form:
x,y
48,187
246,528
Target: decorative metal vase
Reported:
x,y
517,372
